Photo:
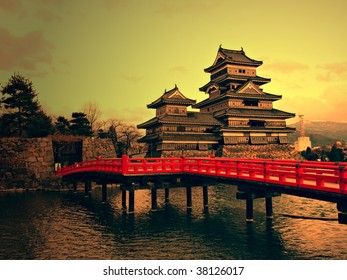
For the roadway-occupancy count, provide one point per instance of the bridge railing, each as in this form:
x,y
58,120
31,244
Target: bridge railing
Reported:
x,y
325,176
108,165
146,166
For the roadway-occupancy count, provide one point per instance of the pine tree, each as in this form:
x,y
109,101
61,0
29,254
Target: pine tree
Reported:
x,y
62,125
23,114
79,124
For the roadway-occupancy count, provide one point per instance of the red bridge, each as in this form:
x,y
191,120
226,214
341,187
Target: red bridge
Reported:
x,y
255,178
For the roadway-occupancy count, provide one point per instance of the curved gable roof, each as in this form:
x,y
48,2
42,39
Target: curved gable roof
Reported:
x,y
173,96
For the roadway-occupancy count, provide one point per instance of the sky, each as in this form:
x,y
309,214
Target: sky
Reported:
x,y
123,54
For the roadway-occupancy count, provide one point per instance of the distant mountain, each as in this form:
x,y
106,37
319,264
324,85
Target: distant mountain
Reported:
x,y
321,132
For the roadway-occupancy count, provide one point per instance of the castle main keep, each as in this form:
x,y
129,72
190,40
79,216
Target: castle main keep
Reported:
x,y
236,113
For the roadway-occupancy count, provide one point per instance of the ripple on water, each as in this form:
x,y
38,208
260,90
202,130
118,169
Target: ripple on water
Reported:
x,y
70,226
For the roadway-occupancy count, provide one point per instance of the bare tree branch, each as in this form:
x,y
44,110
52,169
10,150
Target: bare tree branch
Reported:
x,y
93,113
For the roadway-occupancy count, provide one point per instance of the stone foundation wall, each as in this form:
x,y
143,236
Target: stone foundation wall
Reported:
x,y
271,151
29,162
26,162
187,153
91,148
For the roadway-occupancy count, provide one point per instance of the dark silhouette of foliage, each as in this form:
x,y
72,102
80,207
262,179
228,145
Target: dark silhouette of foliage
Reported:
x,y
79,124
309,155
22,113
40,125
336,154
62,125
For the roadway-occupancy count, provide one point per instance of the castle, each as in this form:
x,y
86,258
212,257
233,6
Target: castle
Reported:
x,y
236,114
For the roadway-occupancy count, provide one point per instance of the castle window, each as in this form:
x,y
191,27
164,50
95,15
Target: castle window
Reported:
x,y
256,123
251,103
181,129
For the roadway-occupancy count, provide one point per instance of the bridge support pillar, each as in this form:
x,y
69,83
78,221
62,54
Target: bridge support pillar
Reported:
x,y
249,209
189,196
268,206
75,186
205,196
104,192
154,199
167,193
131,201
87,187
124,200
342,215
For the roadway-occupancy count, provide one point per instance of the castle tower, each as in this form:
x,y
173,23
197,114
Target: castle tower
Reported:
x,y
236,99
236,119
174,129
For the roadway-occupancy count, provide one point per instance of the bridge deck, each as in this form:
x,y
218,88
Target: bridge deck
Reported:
x,y
326,177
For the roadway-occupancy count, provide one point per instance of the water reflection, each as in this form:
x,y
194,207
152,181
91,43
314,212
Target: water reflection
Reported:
x,y
71,226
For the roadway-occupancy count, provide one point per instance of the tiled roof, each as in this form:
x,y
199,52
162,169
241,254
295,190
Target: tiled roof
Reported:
x,y
258,129
148,137
191,118
233,57
243,112
173,96
186,136
233,95
224,79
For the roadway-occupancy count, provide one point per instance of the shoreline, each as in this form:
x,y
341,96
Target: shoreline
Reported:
x,y
21,190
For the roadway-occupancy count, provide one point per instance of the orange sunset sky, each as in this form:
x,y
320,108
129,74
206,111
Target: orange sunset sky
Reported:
x,y
123,54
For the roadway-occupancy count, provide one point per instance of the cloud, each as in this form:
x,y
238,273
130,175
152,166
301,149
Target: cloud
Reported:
x,y
12,6
110,4
327,106
335,99
333,71
171,8
286,67
47,15
24,52
130,115
179,69
133,79
44,10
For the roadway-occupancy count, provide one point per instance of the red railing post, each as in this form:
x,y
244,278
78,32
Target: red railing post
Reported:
x,y
238,169
299,173
98,166
342,179
125,164
182,162
266,172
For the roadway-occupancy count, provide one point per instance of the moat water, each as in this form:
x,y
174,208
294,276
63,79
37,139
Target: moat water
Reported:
x,y
64,225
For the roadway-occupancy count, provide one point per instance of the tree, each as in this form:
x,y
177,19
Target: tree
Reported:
x,y
309,154
62,125
23,111
92,112
79,124
128,136
40,125
336,154
124,137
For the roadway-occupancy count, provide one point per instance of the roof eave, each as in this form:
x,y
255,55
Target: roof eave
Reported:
x,y
228,61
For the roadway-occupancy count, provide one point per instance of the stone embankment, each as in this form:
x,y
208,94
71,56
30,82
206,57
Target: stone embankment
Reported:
x,y
92,147
26,162
244,151
271,151
29,163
